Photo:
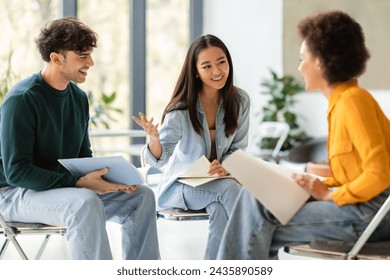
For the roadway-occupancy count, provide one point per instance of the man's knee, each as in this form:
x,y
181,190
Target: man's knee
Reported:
x,y
148,197
87,200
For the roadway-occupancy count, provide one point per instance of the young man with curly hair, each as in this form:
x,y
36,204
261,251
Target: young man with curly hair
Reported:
x,y
45,118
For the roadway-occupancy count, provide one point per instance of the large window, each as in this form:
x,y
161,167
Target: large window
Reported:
x,y
20,23
110,20
166,35
167,40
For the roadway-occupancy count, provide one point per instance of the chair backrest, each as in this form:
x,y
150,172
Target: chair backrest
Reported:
x,y
311,150
142,156
137,141
370,229
278,130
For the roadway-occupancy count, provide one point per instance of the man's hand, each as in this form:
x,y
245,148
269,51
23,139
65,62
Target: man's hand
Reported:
x,y
95,182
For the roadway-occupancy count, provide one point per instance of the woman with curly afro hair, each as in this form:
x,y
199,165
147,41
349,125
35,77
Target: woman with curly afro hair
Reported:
x,y
332,56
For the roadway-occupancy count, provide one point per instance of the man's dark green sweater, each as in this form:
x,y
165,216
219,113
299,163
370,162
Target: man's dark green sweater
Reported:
x,y
38,126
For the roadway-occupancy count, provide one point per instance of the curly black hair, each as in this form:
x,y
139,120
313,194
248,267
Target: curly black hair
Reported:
x,y
338,41
65,34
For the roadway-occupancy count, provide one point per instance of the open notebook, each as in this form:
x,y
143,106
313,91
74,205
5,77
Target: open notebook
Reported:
x,y
197,174
119,169
270,183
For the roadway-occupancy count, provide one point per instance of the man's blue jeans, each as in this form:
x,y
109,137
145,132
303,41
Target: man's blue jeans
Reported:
x,y
85,213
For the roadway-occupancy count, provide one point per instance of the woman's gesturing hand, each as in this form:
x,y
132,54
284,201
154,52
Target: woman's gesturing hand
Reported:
x,y
152,131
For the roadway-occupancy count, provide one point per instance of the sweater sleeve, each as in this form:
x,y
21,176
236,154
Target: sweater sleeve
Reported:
x,y
18,129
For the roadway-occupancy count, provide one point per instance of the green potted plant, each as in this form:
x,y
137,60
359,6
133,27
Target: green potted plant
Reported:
x,y
7,77
101,109
282,91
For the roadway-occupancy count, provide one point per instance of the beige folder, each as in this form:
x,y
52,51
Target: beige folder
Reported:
x,y
270,183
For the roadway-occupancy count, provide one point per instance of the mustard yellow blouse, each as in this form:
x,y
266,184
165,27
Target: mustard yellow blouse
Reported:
x,y
358,145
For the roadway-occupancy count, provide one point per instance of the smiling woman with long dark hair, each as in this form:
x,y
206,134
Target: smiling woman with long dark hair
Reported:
x,y
206,116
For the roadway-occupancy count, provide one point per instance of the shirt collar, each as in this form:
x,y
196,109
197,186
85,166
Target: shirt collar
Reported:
x,y
338,91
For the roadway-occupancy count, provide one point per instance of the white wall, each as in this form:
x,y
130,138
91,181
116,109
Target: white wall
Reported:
x,y
253,32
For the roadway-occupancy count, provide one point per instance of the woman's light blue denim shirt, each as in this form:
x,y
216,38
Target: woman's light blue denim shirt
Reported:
x,y
182,146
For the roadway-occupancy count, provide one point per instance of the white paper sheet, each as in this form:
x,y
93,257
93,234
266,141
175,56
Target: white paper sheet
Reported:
x,y
198,174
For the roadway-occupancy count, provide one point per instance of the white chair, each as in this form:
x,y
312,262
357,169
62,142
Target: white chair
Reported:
x,y
274,130
10,230
183,215
360,250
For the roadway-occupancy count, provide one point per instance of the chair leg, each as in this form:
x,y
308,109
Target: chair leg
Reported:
x,y
43,246
18,247
4,247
